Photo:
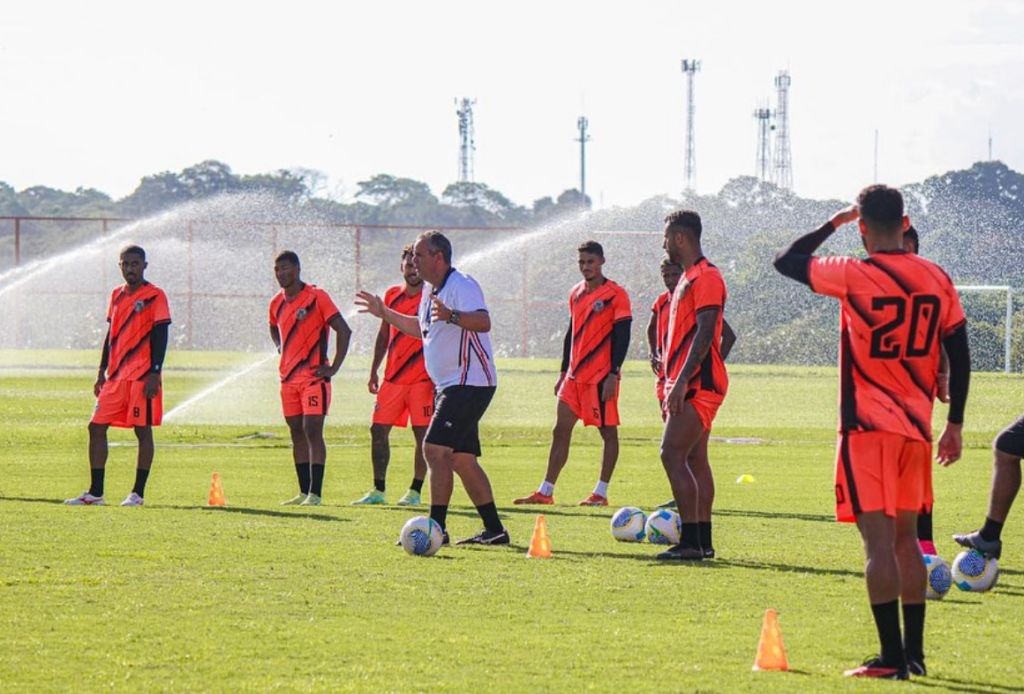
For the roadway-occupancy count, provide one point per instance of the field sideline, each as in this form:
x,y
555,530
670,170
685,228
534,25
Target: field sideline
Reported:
x,y
175,597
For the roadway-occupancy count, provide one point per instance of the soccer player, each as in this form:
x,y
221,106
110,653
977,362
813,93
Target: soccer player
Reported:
x,y
301,317
925,524
896,309
696,384
407,392
595,347
453,322
1007,451
128,389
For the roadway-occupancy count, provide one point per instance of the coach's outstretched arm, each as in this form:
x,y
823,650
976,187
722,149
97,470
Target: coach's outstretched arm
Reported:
x,y
794,260
473,321
375,306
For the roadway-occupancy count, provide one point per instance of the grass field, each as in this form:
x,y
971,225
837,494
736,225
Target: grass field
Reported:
x,y
176,597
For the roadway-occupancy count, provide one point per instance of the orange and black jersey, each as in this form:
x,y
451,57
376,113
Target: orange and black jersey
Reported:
x,y
662,310
405,363
594,314
302,323
132,317
896,308
701,288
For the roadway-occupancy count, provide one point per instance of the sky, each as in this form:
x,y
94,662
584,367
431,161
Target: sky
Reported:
x,y
100,94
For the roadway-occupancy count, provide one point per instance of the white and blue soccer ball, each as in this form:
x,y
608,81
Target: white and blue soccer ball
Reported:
x,y
629,524
940,576
973,571
422,536
664,527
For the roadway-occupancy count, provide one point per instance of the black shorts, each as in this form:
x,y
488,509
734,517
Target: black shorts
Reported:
x,y
1011,439
457,413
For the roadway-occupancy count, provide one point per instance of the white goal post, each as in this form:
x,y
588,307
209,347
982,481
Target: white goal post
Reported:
x,y
1008,342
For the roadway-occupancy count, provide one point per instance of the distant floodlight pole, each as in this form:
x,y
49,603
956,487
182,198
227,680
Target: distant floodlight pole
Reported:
x,y
762,167
582,124
467,139
690,68
783,174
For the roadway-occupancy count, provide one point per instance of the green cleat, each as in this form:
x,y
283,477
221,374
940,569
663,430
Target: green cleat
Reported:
x,y
295,500
312,500
411,498
374,498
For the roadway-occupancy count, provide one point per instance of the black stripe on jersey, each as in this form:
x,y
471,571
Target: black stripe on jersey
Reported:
x,y
851,482
291,331
891,274
847,387
707,377
592,353
924,428
149,412
601,404
709,307
305,361
591,314
683,345
323,397
913,377
128,320
407,364
125,357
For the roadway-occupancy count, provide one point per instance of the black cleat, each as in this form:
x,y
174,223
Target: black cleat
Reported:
x,y
875,667
487,537
915,664
681,553
990,548
709,553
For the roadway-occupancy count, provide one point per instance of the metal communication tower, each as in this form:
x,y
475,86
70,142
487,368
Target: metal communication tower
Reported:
x,y
582,124
467,139
783,170
690,68
762,167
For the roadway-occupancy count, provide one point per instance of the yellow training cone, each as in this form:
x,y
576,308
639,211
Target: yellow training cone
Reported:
x,y
745,479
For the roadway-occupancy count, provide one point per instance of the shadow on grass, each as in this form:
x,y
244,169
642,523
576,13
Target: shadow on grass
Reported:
x,y
648,558
955,685
819,517
424,510
789,568
31,500
306,515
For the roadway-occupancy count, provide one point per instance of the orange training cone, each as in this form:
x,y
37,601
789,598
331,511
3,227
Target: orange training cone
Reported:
x,y
540,545
216,492
771,654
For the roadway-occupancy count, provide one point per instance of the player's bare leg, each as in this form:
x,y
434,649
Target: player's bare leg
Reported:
x,y
610,454
380,451
300,456
913,582
98,446
419,462
442,474
558,454
1006,478
313,428
144,461
882,575
681,436
444,463
700,466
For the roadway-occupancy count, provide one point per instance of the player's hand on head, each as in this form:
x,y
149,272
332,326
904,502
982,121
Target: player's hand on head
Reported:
x,y
845,215
438,311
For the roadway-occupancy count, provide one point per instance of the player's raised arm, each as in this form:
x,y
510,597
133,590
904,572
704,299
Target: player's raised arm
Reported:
x,y
793,261
374,305
728,339
380,349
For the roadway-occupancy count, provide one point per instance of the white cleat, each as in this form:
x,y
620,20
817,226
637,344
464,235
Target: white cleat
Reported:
x,y
132,500
86,499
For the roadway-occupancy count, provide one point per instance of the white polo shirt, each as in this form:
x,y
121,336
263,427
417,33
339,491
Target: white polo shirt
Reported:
x,y
456,357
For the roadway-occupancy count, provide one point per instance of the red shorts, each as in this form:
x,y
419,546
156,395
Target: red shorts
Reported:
x,y
584,399
704,403
306,398
396,404
882,471
123,404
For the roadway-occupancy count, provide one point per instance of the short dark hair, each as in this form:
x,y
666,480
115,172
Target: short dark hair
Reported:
x,y
133,250
881,208
289,257
911,233
591,247
438,243
667,262
684,219
407,252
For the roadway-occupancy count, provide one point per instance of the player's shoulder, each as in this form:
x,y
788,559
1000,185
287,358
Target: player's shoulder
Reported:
x,y
578,289
616,288
319,292
154,291
277,299
662,301
932,268
391,292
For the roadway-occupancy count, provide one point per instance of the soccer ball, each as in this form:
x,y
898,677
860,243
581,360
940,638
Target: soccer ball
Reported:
x,y
629,524
940,579
422,536
973,571
664,527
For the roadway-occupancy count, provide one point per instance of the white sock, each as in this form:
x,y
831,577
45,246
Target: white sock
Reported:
x,y
601,489
546,488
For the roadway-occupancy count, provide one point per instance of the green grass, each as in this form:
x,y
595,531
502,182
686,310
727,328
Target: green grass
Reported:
x,y
258,598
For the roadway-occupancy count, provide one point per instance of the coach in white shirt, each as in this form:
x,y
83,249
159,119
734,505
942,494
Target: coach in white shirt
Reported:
x,y
453,323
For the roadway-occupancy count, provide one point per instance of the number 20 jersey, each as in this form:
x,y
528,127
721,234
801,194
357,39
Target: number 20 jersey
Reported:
x,y
896,308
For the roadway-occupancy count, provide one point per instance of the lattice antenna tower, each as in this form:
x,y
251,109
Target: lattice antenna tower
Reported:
x,y
467,138
690,68
783,169
763,163
583,139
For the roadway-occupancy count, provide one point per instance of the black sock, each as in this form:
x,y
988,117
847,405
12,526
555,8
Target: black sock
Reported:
x,y
690,535
489,515
316,479
887,620
378,484
913,631
302,470
417,485
440,514
141,477
96,485
704,532
991,530
924,527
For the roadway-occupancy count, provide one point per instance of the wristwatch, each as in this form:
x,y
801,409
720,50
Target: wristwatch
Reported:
x,y
455,317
